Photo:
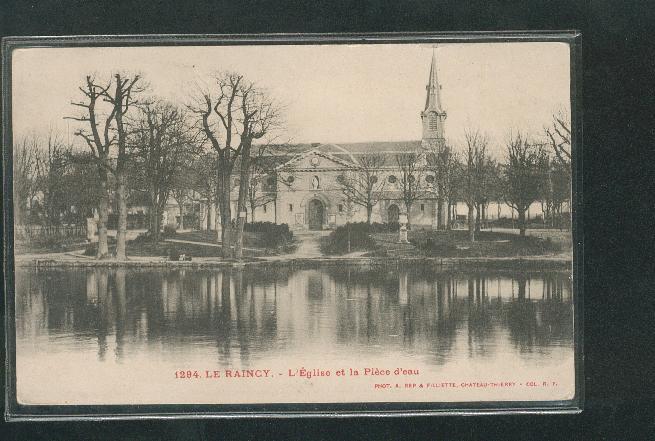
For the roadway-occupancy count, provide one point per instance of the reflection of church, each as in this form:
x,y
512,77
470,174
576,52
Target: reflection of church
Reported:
x,y
305,190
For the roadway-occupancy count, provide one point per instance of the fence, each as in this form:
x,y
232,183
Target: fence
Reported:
x,y
34,233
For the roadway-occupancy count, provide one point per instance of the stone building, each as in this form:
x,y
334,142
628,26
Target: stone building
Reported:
x,y
305,191
304,188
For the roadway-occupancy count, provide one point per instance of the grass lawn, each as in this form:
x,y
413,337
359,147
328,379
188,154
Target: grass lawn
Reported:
x,y
455,243
49,247
250,240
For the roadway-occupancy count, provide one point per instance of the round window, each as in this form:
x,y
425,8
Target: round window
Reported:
x,y
290,179
429,179
374,179
412,179
341,179
392,179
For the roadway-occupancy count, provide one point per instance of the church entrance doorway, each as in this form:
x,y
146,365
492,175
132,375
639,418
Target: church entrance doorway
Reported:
x,y
393,214
316,214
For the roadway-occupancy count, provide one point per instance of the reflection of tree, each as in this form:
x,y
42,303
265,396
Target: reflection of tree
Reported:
x,y
224,323
479,315
120,308
538,324
443,331
244,327
104,311
236,311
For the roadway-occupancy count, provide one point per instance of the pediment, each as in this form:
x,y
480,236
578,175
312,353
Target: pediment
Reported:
x,y
315,159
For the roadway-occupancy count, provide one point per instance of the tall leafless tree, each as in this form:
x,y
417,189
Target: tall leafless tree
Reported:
x,y
231,118
559,136
362,185
163,145
262,187
474,174
51,164
411,180
522,175
442,162
106,136
25,173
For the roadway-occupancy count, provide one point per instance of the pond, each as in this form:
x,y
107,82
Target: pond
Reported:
x,y
127,336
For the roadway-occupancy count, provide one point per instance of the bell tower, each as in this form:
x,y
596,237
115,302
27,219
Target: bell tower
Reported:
x,y
433,116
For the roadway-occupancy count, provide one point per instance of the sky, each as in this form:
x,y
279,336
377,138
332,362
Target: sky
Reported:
x,y
331,93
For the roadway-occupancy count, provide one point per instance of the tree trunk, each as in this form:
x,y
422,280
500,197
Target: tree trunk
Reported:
x,y
440,212
244,183
275,208
155,214
369,212
103,216
181,207
471,223
409,220
478,212
522,222
154,222
121,233
449,216
225,209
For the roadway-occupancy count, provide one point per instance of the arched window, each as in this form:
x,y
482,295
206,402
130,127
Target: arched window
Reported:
x,y
433,121
315,183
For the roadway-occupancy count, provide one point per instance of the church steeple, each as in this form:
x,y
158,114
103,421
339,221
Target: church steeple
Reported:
x,y
433,98
433,116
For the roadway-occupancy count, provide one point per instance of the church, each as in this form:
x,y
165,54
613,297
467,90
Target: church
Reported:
x,y
305,189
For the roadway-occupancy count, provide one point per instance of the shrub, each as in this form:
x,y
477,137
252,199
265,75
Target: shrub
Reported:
x,y
358,233
91,249
431,246
170,230
271,235
390,227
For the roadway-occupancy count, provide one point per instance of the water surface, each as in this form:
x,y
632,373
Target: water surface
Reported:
x,y
101,335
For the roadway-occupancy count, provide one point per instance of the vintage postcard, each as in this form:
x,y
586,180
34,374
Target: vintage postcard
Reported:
x,y
288,224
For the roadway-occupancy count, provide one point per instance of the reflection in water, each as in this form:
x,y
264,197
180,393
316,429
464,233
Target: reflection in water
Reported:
x,y
244,315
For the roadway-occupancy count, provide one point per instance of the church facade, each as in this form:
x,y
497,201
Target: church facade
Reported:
x,y
305,191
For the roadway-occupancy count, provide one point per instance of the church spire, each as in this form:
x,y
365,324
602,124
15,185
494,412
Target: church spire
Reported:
x,y
433,98
433,117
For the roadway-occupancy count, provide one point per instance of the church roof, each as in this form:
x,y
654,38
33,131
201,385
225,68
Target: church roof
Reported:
x,y
345,153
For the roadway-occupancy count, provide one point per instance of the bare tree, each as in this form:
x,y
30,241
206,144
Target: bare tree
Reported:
x,y
202,184
522,175
183,184
162,145
484,168
25,177
51,165
231,119
473,174
410,181
262,186
442,161
559,135
361,185
106,137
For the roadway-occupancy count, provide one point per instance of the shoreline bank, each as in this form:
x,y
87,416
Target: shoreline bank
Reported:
x,y
560,261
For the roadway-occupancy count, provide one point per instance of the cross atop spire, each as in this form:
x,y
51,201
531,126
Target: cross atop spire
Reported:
x,y
433,98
